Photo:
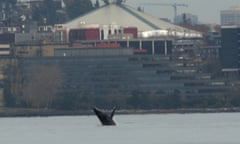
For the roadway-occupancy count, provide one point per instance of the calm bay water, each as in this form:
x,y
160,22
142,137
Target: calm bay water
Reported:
x,y
220,128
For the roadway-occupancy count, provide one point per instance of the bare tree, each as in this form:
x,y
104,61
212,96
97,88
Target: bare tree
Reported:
x,y
42,85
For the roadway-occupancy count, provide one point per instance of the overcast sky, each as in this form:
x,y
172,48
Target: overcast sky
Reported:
x,y
208,11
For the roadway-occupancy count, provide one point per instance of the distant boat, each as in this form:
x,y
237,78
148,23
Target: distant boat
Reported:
x,y
105,118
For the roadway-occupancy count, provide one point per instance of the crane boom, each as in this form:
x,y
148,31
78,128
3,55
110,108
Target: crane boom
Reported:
x,y
174,5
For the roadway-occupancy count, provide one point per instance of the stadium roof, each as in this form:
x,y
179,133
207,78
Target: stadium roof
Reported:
x,y
125,16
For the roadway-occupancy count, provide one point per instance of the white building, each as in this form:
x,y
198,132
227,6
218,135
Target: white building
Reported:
x,y
126,16
231,16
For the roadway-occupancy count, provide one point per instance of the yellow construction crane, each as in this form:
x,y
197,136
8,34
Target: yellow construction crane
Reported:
x,y
174,5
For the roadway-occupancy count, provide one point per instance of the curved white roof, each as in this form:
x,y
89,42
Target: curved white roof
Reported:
x,y
124,16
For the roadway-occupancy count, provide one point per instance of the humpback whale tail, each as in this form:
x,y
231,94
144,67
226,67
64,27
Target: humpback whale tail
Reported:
x,y
104,117
113,112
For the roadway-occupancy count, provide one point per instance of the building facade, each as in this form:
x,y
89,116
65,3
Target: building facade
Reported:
x,y
230,50
231,16
124,73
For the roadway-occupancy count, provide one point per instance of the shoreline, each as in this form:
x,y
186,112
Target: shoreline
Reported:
x,y
21,112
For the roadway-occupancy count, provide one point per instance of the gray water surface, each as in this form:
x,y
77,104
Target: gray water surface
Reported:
x,y
220,128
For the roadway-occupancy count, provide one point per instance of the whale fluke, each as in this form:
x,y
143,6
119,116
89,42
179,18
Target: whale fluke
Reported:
x,y
104,117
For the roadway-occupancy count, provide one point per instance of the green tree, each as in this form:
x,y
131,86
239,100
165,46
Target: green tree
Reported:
x,y
8,7
37,14
47,10
50,11
10,84
76,8
97,5
13,2
106,1
9,99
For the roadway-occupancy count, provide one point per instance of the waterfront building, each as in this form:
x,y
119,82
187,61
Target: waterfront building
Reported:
x,y
117,20
230,50
102,72
117,50
231,16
